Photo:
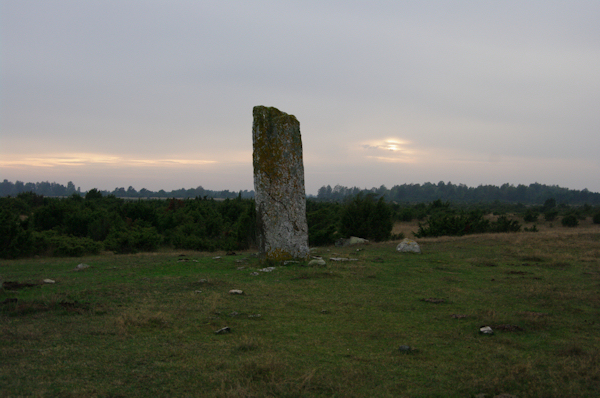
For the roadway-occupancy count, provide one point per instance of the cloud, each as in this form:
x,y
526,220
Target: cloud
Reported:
x,y
389,150
90,159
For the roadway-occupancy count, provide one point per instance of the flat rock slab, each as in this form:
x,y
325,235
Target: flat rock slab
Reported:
x,y
224,330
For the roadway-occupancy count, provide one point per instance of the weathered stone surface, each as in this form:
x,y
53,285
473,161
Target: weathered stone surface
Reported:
x,y
282,230
408,246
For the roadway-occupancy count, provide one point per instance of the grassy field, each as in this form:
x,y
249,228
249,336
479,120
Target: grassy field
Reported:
x,y
144,325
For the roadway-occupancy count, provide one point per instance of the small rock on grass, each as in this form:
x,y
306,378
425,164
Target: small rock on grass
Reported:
x,y
81,266
49,281
406,349
224,330
317,263
486,330
236,291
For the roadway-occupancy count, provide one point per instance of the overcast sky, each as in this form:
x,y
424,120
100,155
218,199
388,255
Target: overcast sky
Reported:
x,y
159,94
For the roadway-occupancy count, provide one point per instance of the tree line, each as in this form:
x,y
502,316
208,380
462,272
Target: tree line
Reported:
x,y
532,194
53,189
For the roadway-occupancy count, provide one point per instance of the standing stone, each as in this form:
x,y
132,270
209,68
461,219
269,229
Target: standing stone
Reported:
x,y
282,231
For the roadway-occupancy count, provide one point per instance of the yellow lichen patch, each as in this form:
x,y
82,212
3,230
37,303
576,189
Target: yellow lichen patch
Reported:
x,y
278,255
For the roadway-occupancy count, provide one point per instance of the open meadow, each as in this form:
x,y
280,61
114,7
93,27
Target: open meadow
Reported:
x,y
383,324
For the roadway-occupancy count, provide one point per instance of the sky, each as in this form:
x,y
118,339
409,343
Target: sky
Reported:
x,y
159,94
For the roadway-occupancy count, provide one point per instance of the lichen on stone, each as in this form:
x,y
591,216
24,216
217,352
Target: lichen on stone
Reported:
x,y
279,185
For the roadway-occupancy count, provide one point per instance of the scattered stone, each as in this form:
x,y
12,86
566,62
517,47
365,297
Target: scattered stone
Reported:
x,y
234,314
288,262
267,269
254,316
236,291
198,291
49,281
324,312
203,281
319,262
240,268
408,246
342,259
282,230
224,330
505,395
405,348
486,330
81,266
217,258
458,316
254,273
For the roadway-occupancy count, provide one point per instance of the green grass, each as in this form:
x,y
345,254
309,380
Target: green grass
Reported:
x,y
144,325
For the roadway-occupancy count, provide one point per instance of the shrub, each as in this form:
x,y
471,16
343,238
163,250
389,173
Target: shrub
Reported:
x,y
366,218
322,225
504,224
464,223
570,220
15,240
596,218
52,244
551,215
133,240
441,224
531,216
407,214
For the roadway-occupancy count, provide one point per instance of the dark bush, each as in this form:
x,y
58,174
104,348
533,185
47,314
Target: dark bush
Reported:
x,y
51,243
464,223
530,216
442,224
596,218
570,220
504,224
133,240
322,225
366,218
15,240
551,215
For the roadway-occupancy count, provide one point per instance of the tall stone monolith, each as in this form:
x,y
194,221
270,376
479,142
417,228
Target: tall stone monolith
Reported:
x,y
282,231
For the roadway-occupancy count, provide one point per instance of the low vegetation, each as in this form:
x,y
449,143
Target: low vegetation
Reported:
x,y
31,224
381,324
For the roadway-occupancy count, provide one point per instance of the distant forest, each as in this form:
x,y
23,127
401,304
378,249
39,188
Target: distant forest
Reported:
x,y
54,189
533,194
